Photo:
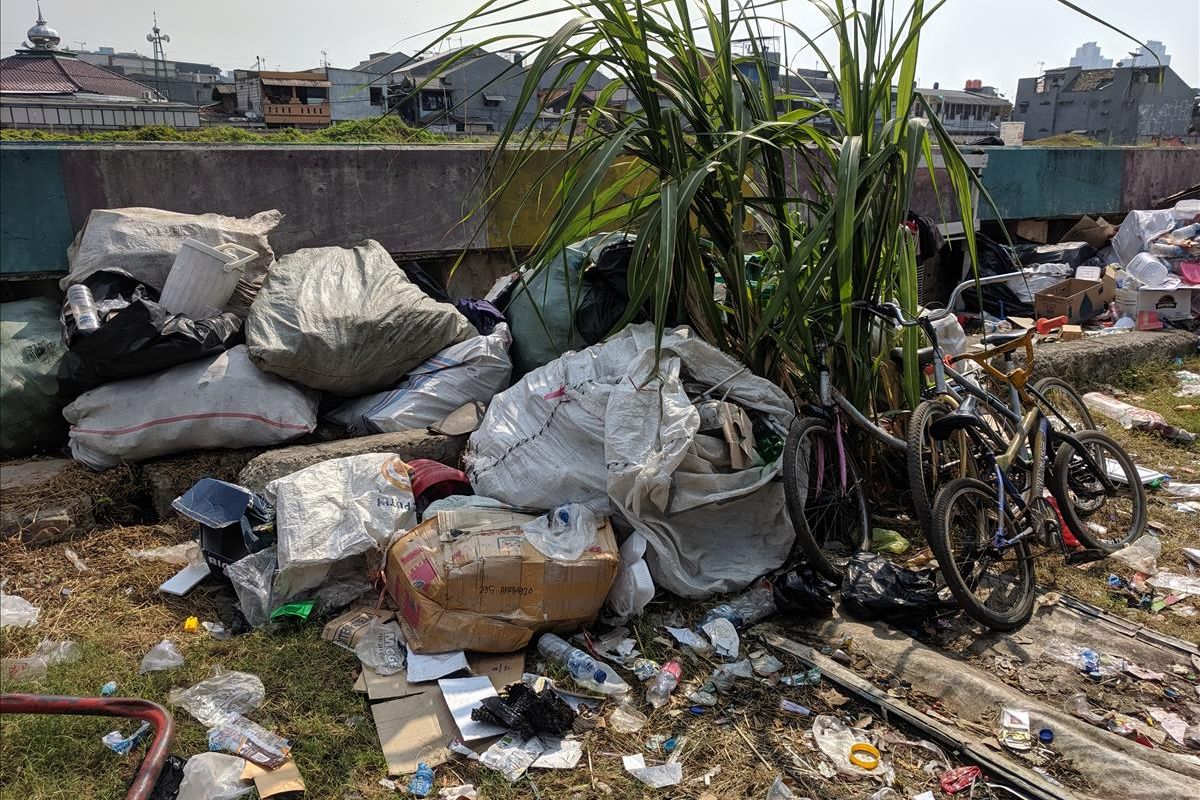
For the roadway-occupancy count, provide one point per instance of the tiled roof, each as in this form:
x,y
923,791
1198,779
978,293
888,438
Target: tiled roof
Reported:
x,y
52,73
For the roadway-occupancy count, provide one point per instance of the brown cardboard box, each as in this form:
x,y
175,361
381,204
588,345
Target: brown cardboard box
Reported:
x,y
1077,299
468,580
1096,232
345,630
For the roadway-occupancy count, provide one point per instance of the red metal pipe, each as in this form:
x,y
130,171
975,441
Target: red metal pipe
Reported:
x,y
130,707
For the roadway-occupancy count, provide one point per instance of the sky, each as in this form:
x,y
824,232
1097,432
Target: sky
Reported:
x,y
996,41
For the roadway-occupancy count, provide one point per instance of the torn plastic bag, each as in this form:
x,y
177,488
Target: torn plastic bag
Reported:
x,y
234,521
145,241
346,320
139,337
875,588
202,405
709,529
804,592
30,349
253,578
526,711
334,510
227,692
163,656
1138,230
474,370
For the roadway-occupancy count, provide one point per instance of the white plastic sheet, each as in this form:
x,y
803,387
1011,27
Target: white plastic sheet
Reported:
x,y
201,405
17,612
334,510
474,370
634,439
213,776
226,692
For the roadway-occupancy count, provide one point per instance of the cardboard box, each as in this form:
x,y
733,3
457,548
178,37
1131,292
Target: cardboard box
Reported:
x,y
345,630
1077,299
469,580
1173,304
1096,232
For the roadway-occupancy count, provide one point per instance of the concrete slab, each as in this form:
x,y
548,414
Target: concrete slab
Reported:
x,y
1095,360
406,444
14,474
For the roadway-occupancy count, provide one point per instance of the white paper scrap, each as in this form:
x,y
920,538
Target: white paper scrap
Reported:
x,y
559,753
464,694
431,667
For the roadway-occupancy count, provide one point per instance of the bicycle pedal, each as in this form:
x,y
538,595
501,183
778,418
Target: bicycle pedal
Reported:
x,y
1085,557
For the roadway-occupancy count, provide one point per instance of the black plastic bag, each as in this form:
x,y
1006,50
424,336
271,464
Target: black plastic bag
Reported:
x,y
875,588
804,592
137,336
527,712
605,292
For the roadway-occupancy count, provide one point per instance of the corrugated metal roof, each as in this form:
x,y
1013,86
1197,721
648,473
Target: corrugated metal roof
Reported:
x,y
53,73
295,82
1089,80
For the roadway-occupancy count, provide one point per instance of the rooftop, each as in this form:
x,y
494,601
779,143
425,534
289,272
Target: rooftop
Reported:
x,y
52,72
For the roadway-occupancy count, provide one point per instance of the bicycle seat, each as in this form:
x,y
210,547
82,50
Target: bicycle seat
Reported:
x,y
943,427
1002,338
924,356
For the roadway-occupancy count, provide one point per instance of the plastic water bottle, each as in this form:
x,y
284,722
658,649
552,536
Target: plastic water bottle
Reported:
x,y
745,609
83,308
586,671
664,683
421,783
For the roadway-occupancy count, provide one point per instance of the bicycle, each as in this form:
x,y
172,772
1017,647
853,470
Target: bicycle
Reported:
x,y
983,533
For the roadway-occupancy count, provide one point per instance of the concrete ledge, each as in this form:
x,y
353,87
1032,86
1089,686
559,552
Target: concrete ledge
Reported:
x,y
1090,362
406,444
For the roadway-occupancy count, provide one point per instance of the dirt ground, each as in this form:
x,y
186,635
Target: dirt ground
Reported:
x,y
115,613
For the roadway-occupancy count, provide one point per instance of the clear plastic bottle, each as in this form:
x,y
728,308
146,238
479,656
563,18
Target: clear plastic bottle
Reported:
x,y
422,782
83,308
745,609
664,683
587,671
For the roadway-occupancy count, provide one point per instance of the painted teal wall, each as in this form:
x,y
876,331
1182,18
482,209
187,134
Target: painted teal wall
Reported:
x,y
35,225
413,198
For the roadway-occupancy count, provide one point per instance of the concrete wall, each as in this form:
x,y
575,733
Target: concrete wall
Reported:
x,y
413,198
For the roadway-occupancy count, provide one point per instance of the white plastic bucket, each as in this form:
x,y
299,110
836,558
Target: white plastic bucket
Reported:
x,y
202,278
1147,269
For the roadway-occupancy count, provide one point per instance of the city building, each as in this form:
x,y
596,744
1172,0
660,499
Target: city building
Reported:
x,y
361,91
1120,105
973,112
180,81
42,86
1154,54
1088,56
283,99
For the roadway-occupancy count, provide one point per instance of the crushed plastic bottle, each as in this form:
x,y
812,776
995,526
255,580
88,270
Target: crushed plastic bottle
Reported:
x,y
422,783
1077,705
585,670
83,308
124,745
108,689
745,609
659,692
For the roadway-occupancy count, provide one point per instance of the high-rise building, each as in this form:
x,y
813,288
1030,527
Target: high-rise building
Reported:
x,y
1087,56
1144,56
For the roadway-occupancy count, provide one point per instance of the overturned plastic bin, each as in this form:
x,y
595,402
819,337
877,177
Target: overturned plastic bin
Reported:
x,y
234,521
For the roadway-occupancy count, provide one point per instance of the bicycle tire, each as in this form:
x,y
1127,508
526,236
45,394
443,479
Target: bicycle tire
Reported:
x,y
940,542
801,436
1078,409
1069,475
922,489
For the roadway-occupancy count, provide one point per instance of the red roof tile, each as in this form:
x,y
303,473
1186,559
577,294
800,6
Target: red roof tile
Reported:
x,y
51,73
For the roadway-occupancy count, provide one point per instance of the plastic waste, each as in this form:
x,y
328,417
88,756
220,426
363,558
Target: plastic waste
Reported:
x,y
249,740
794,709
804,592
747,608
17,612
124,745
1173,581
466,791
874,588
527,712
422,782
1186,490
563,533
163,656
690,639
1189,383
1147,270
884,540
180,554
633,588
48,654
659,691
83,308
226,692
834,739
724,676
959,778
108,689
765,664
585,670
1014,729
213,776
1132,417
724,637
1142,555
781,791
253,579
626,719
75,560
381,647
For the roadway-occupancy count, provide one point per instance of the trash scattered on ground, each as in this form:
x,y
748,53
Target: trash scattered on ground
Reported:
x,y
163,656
1142,555
283,780
658,693
17,612
1132,417
850,750
1014,729
586,671
875,588
884,540
563,533
75,560
527,712
124,745
724,637
956,780
237,735
49,653
226,692
108,689
213,776
381,647
658,776
627,719
512,755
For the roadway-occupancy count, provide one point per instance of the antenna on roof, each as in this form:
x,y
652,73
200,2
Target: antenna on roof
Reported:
x,y
156,38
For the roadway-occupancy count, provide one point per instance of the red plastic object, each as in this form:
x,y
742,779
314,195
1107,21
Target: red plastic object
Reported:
x,y
959,778
1067,536
1045,326
426,474
131,708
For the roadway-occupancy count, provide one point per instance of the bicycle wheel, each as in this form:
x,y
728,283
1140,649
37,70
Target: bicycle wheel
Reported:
x,y
1062,398
993,585
1102,518
829,515
933,463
